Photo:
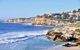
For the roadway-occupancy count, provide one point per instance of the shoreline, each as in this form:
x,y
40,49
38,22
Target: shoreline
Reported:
x,y
67,29
54,47
60,47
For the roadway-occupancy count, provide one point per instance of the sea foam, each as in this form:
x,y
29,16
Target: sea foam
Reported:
x,y
10,37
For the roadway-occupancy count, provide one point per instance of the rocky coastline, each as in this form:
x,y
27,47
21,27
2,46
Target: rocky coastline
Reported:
x,y
65,34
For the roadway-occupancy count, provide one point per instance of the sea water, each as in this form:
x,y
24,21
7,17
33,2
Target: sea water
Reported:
x,y
17,36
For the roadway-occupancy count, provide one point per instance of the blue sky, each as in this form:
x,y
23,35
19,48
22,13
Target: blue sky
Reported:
x,y
31,8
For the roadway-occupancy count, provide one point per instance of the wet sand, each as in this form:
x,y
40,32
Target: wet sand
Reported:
x,y
64,48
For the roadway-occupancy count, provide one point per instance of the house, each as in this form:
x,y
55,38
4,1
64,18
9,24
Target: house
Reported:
x,y
10,20
20,20
29,20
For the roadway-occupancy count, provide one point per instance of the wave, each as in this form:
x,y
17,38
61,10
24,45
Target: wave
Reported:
x,y
10,37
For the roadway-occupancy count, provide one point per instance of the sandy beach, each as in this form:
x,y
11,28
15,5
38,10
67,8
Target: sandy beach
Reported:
x,y
64,48
67,48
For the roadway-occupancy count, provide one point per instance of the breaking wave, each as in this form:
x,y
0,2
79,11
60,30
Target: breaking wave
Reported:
x,y
10,37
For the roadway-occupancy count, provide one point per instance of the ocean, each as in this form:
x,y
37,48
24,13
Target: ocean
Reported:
x,y
17,36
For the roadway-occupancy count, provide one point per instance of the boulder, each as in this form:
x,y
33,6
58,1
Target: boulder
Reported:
x,y
50,33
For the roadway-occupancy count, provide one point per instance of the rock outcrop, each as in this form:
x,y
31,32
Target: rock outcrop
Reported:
x,y
60,36
55,36
67,34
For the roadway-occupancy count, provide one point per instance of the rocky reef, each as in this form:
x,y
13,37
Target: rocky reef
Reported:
x,y
66,34
55,36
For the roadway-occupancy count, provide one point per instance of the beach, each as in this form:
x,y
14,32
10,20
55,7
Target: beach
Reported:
x,y
64,48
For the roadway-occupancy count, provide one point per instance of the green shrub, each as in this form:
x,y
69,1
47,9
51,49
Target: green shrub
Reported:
x,y
78,30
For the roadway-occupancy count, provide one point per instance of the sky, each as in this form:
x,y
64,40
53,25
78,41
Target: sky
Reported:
x,y
31,8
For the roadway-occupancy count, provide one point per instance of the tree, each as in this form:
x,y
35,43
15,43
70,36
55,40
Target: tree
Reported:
x,y
46,15
65,15
78,10
74,11
38,16
71,20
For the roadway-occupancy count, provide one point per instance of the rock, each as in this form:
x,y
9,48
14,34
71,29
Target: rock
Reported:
x,y
55,36
70,45
68,36
72,39
50,32
59,36
65,35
